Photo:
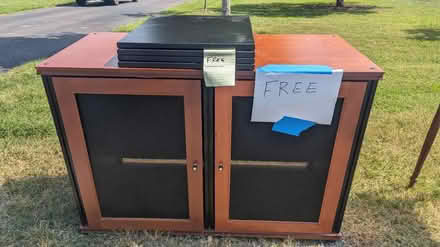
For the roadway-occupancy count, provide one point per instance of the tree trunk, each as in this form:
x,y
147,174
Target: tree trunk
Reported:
x,y
339,3
205,7
226,5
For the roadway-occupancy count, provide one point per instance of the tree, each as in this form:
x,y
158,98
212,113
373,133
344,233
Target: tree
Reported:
x,y
226,7
339,3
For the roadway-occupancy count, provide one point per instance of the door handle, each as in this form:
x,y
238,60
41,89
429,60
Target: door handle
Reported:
x,y
220,167
195,166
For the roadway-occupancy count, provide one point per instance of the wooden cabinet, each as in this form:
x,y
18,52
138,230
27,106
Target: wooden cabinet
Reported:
x,y
136,148
267,182
156,149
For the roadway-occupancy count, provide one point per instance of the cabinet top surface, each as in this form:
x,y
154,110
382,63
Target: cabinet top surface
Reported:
x,y
91,55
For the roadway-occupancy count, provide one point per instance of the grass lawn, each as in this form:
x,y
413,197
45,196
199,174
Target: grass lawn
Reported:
x,y
12,6
402,36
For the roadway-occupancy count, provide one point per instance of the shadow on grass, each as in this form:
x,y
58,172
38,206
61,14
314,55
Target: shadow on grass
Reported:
x,y
19,50
300,9
39,199
377,221
209,11
42,209
70,4
428,34
144,14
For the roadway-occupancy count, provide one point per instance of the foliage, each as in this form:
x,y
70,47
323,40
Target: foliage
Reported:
x,y
11,6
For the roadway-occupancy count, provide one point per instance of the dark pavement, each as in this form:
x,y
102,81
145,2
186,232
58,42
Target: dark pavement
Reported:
x,y
40,33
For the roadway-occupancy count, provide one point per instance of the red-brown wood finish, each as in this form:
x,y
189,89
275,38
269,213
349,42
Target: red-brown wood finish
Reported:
x,y
88,57
353,94
66,88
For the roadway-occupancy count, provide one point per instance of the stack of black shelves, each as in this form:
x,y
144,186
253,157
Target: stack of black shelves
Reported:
x,y
178,42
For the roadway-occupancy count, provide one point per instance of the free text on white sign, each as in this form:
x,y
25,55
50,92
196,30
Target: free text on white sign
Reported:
x,y
306,96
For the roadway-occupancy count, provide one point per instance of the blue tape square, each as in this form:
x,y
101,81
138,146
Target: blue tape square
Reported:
x,y
292,126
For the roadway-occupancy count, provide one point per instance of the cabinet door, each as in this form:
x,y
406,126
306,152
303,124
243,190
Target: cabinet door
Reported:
x,y
267,182
136,150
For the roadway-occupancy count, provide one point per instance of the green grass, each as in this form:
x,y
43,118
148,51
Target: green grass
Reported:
x,y
401,36
12,6
129,26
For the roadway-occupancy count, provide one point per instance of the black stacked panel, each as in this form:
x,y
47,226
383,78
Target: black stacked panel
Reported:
x,y
178,42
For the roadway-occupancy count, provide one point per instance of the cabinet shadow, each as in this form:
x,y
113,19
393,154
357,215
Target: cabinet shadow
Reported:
x,y
301,9
372,220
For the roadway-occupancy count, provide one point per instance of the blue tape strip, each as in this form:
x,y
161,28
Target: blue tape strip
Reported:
x,y
292,126
298,69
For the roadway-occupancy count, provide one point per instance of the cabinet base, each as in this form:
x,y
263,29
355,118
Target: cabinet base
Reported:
x,y
308,236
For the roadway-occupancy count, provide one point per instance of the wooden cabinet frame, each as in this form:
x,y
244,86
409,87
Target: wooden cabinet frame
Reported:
x,y
353,94
65,90
88,67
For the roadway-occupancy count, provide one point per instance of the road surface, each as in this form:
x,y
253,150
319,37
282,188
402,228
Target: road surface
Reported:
x,y
34,34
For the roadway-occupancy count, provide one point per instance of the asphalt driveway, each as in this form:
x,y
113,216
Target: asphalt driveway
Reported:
x,y
34,34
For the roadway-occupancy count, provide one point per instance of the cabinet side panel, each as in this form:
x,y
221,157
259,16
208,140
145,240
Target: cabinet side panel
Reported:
x,y
354,156
50,92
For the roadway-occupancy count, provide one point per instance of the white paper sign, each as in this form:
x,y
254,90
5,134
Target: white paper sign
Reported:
x,y
306,96
219,67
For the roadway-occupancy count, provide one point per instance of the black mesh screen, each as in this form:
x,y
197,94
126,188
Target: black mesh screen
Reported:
x,y
273,192
136,126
